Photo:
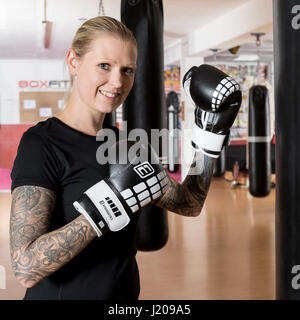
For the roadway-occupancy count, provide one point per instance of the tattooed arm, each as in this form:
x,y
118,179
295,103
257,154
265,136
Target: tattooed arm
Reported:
x,y
216,98
35,252
187,198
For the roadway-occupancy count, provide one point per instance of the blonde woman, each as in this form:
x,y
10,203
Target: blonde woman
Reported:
x,y
56,252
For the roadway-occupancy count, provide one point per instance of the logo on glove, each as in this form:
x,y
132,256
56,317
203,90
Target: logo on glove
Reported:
x,y
144,169
112,206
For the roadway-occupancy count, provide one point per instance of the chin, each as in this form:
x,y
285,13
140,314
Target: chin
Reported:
x,y
109,110
105,106
106,109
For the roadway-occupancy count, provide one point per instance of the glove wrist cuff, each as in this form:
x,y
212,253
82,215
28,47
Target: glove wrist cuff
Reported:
x,y
86,207
102,208
207,142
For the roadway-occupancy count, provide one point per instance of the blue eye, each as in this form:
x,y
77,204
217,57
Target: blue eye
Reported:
x,y
104,66
129,70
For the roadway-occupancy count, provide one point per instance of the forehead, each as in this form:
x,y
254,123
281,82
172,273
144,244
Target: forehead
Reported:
x,y
109,47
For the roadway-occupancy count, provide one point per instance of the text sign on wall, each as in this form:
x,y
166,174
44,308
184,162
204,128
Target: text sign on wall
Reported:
x,y
44,84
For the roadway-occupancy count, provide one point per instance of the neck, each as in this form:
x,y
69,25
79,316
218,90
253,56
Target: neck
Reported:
x,y
87,122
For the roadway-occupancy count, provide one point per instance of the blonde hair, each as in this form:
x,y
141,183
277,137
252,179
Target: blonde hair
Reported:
x,y
91,29
95,26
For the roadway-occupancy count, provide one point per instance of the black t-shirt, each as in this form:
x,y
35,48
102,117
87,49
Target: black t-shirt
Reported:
x,y
57,157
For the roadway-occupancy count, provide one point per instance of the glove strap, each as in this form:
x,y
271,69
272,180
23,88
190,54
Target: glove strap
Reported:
x,y
86,207
102,208
207,142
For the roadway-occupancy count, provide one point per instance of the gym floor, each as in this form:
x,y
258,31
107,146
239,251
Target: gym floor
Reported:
x,y
227,252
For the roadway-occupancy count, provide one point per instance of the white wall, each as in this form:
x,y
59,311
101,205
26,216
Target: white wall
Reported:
x,y
12,71
233,28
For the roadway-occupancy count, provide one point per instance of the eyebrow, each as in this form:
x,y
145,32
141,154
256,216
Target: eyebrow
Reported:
x,y
115,62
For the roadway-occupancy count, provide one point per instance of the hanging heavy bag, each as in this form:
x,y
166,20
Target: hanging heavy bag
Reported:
x,y
173,108
110,119
287,98
259,142
219,168
145,106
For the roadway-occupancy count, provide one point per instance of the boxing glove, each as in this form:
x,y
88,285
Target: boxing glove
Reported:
x,y
131,185
217,99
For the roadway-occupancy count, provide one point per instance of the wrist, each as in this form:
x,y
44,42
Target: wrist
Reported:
x,y
102,208
207,142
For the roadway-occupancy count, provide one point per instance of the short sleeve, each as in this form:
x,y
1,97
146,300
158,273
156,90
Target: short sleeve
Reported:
x,y
35,163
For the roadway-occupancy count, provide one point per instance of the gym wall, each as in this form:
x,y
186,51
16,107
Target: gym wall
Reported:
x,y
37,74
27,95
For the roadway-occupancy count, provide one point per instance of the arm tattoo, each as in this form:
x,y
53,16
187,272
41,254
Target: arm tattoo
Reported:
x,y
187,198
35,252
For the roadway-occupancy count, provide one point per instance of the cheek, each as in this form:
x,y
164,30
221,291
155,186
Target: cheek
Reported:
x,y
85,89
129,83
89,82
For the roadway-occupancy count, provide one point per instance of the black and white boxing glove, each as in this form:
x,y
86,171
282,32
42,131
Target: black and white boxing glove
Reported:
x,y
217,98
108,204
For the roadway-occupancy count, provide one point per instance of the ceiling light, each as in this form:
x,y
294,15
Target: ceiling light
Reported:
x,y
234,50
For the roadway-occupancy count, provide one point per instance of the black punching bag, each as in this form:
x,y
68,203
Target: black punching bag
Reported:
x,y
287,147
145,105
219,168
110,119
259,142
173,108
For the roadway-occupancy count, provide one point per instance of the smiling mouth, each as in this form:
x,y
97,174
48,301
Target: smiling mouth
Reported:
x,y
109,94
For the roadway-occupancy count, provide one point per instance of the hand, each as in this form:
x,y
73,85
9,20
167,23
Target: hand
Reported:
x,y
217,98
108,204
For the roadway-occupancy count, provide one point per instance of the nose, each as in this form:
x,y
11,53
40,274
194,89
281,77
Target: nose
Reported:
x,y
115,79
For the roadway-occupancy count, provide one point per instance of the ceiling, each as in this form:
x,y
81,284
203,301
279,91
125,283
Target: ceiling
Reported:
x,y
246,52
21,27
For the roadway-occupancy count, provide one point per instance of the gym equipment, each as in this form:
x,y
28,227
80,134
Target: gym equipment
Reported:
x,y
219,168
217,99
259,142
145,105
173,107
110,119
109,204
287,125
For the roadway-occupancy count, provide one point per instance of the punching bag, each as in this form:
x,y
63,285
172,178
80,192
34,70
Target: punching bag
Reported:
x,y
219,168
110,119
259,142
145,107
287,152
173,108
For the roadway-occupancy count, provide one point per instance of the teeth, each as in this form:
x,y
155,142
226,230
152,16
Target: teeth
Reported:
x,y
108,94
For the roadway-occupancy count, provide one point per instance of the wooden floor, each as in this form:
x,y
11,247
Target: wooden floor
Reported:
x,y
228,252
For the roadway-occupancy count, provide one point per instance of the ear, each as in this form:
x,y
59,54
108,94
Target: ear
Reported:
x,y
72,62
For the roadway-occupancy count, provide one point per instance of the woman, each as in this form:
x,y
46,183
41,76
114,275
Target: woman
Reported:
x,y
54,250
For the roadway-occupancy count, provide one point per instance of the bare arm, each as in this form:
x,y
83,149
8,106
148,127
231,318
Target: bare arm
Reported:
x,y
187,198
35,252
